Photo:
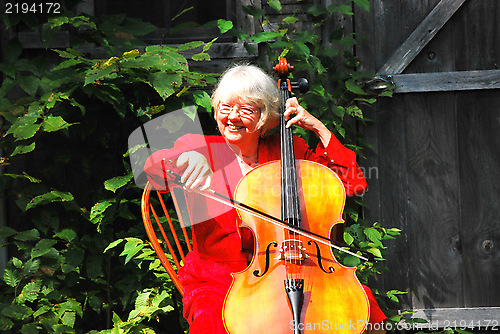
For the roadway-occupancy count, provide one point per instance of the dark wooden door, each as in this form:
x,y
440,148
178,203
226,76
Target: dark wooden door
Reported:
x,y
437,152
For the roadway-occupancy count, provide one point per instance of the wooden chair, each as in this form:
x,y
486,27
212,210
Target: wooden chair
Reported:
x,y
167,242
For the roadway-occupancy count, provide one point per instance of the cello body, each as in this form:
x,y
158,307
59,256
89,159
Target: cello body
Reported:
x,y
332,299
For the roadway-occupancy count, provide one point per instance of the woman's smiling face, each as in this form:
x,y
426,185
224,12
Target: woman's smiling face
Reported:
x,y
237,121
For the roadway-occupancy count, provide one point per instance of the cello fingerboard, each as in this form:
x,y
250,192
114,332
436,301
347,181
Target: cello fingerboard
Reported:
x,y
290,209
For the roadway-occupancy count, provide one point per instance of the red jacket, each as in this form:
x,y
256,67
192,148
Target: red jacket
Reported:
x,y
217,244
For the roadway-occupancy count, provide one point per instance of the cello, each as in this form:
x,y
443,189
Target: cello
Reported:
x,y
293,284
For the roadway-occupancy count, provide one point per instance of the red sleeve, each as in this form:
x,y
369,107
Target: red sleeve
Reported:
x,y
376,314
338,158
163,160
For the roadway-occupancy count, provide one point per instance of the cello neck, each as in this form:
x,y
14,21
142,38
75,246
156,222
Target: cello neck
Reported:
x,y
290,208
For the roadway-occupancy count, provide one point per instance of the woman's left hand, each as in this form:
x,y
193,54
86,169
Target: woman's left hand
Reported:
x,y
295,114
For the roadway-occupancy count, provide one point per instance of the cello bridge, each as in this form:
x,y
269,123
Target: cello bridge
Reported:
x,y
292,250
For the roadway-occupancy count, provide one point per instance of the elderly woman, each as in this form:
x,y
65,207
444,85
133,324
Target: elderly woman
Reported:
x,y
246,104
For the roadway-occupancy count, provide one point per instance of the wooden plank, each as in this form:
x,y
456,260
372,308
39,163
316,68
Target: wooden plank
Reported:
x,y
364,27
478,147
476,41
386,198
433,200
421,36
388,30
470,319
447,81
245,21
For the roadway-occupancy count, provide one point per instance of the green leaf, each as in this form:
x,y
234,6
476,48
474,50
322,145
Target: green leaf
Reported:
x,y
70,305
50,197
367,101
66,234
43,247
6,231
159,57
23,176
58,21
351,261
29,84
355,111
26,131
344,9
190,112
29,235
190,45
132,247
54,123
31,267
164,83
316,10
224,26
202,56
375,251
68,319
42,310
265,36
117,182
254,11
275,4
392,295
17,311
304,49
96,213
23,149
25,127
353,87
290,19
12,51
30,328
348,238
116,320
202,99
365,4
11,278
113,244
386,93
208,45
348,41
372,234
6,87
67,63
30,292
97,74
143,299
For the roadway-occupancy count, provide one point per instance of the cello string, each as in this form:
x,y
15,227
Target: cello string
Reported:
x,y
294,210
292,191
284,176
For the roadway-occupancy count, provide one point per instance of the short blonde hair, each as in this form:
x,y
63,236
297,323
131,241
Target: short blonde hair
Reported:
x,y
250,84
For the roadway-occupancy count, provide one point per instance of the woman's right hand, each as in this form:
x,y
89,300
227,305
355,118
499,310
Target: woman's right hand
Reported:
x,y
197,172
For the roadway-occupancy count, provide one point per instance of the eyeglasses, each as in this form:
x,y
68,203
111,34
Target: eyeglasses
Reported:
x,y
242,109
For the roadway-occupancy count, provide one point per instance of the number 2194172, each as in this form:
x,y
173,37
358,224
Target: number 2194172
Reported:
x,y
32,8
